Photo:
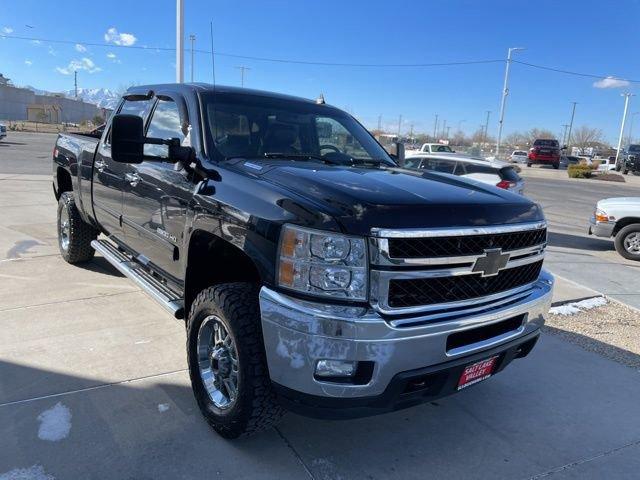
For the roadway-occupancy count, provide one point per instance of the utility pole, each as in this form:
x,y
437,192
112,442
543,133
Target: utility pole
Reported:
x,y
179,41
399,125
564,134
486,128
411,132
379,123
505,92
447,135
75,82
242,69
624,118
444,127
192,39
435,129
573,114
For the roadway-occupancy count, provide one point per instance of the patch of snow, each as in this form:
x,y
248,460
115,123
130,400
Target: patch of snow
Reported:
x,y
142,342
163,407
35,472
577,307
55,423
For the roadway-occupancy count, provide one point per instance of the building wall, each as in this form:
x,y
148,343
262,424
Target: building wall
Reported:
x,y
14,101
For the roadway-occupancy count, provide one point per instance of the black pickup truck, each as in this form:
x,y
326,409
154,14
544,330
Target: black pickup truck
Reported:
x,y
312,271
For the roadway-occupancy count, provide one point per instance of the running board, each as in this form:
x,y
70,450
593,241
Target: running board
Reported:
x,y
126,265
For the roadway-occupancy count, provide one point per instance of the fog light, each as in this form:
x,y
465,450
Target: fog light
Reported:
x,y
335,368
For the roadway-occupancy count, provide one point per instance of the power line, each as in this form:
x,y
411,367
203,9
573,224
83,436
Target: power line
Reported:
x,y
577,74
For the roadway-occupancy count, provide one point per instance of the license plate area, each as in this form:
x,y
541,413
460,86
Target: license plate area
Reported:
x,y
477,372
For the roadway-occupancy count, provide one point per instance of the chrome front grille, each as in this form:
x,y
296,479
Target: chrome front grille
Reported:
x,y
446,273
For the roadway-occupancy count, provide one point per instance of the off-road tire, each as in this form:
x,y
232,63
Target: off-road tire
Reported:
x,y
80,233
256,407
619,241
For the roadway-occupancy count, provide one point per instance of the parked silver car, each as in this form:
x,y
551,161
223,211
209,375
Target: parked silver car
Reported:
x,y
497,173
519,156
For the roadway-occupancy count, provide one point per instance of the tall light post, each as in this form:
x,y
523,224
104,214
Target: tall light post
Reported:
x,y
192,39
564,134
505,92
573,114
399,125
179,41
435,129
624,118
631,127
486,128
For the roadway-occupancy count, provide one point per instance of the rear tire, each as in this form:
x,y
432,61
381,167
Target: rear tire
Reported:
x,y
627,242
233,388
556,166
625,171
74,235
529,164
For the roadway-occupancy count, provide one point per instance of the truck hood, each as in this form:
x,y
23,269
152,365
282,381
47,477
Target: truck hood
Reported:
x,y
363,198
620,202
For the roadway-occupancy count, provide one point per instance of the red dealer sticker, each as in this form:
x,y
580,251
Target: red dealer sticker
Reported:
x,y
477,372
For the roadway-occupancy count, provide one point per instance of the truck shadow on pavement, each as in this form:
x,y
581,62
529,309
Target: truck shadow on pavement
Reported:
x,y
536,416
566,240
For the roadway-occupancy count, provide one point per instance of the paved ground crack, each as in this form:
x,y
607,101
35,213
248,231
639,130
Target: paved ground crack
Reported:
x,y
295,453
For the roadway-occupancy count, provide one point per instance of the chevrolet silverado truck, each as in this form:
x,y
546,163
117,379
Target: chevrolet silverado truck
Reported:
x,y
312,271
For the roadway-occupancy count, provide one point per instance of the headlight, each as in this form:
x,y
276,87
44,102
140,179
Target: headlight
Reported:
x,y
322,263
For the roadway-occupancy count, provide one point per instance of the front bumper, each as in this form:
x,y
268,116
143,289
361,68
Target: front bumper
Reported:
x,y
601,229
298,333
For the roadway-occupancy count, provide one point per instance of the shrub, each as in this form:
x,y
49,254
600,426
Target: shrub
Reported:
x,y
580,171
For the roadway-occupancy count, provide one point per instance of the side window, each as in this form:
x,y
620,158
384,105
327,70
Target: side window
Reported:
x,y
438,165
412,162
131,107
165,123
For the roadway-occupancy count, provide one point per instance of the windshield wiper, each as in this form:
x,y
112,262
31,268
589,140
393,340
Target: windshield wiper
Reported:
x,y
299,156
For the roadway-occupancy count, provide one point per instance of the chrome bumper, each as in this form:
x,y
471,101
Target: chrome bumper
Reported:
x,y
601,229
298,333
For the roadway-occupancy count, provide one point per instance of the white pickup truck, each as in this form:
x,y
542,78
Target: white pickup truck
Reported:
x,y
619,218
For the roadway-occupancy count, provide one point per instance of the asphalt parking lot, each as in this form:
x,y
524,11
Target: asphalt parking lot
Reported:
x,y
93,381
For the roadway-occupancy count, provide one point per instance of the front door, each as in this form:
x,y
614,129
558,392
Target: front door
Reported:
x,y
157,194
109,176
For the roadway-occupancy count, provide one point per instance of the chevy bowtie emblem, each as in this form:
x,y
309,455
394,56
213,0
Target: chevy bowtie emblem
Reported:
x,y
491,262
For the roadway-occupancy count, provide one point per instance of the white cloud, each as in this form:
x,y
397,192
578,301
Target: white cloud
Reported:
x,y
83,64
111,55
36,42
80,48
124,39
51,51
7,30
611,82
28,63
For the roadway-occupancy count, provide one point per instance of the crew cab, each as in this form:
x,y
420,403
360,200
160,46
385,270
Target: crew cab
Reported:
x,y
435,148
618,218
312,272
544,152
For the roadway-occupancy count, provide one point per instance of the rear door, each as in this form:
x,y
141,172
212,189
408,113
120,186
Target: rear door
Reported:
x,y
158,192
108,176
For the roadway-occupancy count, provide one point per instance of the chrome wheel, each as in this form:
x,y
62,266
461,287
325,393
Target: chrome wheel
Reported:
x,y
64,229
218,362
632,243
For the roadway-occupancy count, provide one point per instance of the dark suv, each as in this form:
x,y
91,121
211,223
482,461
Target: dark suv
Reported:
x,y
545,152
630,160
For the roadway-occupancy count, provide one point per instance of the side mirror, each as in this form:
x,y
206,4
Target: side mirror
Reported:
x,y
398,155
127,139
564,148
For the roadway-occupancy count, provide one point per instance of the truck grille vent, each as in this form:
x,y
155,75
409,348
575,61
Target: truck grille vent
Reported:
x,y
429,247
426,291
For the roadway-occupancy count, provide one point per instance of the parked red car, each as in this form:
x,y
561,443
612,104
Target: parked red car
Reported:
x,y
544,152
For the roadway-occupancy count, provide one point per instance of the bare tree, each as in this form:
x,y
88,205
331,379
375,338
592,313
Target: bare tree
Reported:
x,y
585,137
517,139
536,133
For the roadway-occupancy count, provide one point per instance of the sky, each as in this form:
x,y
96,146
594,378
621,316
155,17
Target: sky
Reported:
x,y
593,37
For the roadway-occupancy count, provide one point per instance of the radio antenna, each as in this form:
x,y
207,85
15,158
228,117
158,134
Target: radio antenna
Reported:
x,y
213,59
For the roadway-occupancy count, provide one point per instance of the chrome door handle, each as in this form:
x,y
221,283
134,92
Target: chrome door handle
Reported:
x,y
132,178
100,165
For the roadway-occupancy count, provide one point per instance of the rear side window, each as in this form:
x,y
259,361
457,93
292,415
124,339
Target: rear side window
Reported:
x,y
471,168
546,143
509,174
438,165
412,162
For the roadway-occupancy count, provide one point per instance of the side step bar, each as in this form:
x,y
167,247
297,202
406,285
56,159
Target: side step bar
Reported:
x,y
126,265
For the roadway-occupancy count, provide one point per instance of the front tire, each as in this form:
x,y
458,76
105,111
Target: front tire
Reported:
x,y
74,235
627,242
556,166
227,361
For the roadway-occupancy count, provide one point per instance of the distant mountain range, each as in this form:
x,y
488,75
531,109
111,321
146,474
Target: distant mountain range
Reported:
x,y
102,97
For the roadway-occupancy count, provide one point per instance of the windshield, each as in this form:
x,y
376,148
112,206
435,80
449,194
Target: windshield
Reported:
x,y
546,143
441,148
256,126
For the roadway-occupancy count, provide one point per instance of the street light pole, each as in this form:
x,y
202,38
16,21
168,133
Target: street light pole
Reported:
x,y
192,39
624,118
179,41
505,92
399,125
564,134
486,128
573,114
435,129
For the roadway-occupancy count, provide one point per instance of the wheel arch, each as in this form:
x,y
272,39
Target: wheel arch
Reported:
x,y
625,222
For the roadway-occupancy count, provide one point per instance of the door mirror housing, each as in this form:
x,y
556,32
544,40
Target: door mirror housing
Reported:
x,y
127,139
397,153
